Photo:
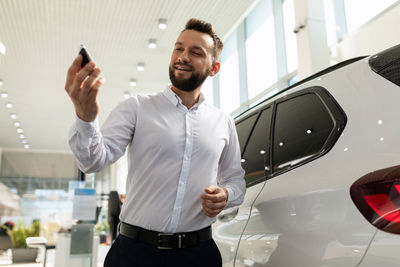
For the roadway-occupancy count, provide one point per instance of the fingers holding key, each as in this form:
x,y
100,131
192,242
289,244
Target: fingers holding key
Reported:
x,y
82,86
94,90
81,76
89,82
72,71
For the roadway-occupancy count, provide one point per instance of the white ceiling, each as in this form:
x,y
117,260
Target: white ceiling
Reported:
x,y
42,38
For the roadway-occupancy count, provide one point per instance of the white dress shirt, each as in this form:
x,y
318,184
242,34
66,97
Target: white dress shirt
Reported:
x,y
173,155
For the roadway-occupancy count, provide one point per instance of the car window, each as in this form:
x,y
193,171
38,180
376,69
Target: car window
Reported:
x,y
257,150
302,127
243,129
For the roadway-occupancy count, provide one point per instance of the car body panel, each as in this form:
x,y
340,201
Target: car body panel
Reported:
x,y
383,251
305,216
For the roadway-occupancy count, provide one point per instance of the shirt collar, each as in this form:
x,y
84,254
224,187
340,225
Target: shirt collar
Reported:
x,y
176,100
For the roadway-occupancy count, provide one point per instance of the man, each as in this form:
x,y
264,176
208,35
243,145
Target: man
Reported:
x,y
184,157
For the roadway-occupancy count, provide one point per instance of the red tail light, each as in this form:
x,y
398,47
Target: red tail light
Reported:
x,y
377,196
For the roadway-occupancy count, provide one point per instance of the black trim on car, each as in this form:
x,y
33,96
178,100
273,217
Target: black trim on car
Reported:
x,y
387,64
257,113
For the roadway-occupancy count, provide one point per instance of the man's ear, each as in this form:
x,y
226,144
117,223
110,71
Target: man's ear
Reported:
x,y
215,69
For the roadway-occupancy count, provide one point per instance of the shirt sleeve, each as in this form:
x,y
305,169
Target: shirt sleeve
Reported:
x,y
230,171
94,148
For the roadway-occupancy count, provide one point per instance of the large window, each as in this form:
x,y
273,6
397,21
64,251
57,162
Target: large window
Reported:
x,y
260,49
207,90
290,37
330,22
229,75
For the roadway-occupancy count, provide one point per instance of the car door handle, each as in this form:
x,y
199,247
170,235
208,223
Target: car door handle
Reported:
x,y
227,215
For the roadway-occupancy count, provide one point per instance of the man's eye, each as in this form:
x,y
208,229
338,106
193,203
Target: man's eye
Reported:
x,y
179,49
196,53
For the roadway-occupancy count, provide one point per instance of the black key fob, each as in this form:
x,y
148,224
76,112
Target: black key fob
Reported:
x,y
85,56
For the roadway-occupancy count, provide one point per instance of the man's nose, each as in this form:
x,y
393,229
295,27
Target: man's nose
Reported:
x,y
184,56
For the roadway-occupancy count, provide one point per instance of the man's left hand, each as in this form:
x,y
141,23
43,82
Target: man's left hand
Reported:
x,y
214,200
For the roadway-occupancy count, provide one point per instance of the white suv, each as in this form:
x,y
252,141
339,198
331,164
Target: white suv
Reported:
x,y
322,161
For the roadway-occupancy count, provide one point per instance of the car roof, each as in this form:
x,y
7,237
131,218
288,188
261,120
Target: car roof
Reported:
x,y
312,77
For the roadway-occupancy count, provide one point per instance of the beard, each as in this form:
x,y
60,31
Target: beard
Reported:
x,y
189,84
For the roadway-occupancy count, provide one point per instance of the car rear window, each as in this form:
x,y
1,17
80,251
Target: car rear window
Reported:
x,y
305,125
302,126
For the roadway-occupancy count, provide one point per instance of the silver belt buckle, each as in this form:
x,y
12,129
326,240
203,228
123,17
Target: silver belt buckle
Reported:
x,y
162,234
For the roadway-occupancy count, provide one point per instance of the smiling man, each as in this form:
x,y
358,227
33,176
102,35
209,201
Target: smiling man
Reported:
x,y
184,158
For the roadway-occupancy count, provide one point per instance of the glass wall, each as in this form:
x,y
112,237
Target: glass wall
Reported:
x,y
229,75
266,50
290,38
260,49
266,47
36,186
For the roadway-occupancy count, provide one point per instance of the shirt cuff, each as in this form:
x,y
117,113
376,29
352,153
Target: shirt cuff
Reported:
x,y
230,196
86,128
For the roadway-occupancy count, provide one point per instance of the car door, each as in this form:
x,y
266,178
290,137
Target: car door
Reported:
x,y
253,133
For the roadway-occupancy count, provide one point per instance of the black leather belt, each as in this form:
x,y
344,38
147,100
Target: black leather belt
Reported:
x,y
166,241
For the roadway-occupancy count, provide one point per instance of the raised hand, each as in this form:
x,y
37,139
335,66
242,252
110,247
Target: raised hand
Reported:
x,y
214,200
82,86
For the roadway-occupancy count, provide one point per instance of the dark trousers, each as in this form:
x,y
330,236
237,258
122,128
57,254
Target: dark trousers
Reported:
x,y
127,252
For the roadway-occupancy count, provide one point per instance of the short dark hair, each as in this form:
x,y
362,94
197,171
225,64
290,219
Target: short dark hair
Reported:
x,y
206,27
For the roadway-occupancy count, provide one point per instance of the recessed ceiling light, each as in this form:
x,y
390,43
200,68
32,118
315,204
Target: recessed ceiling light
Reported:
x,y
13,116
127,95
17,124
140,66
22,136
1,82
162,24
4,94
132,83
27,146
24,141
9,105
152,43
19,130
